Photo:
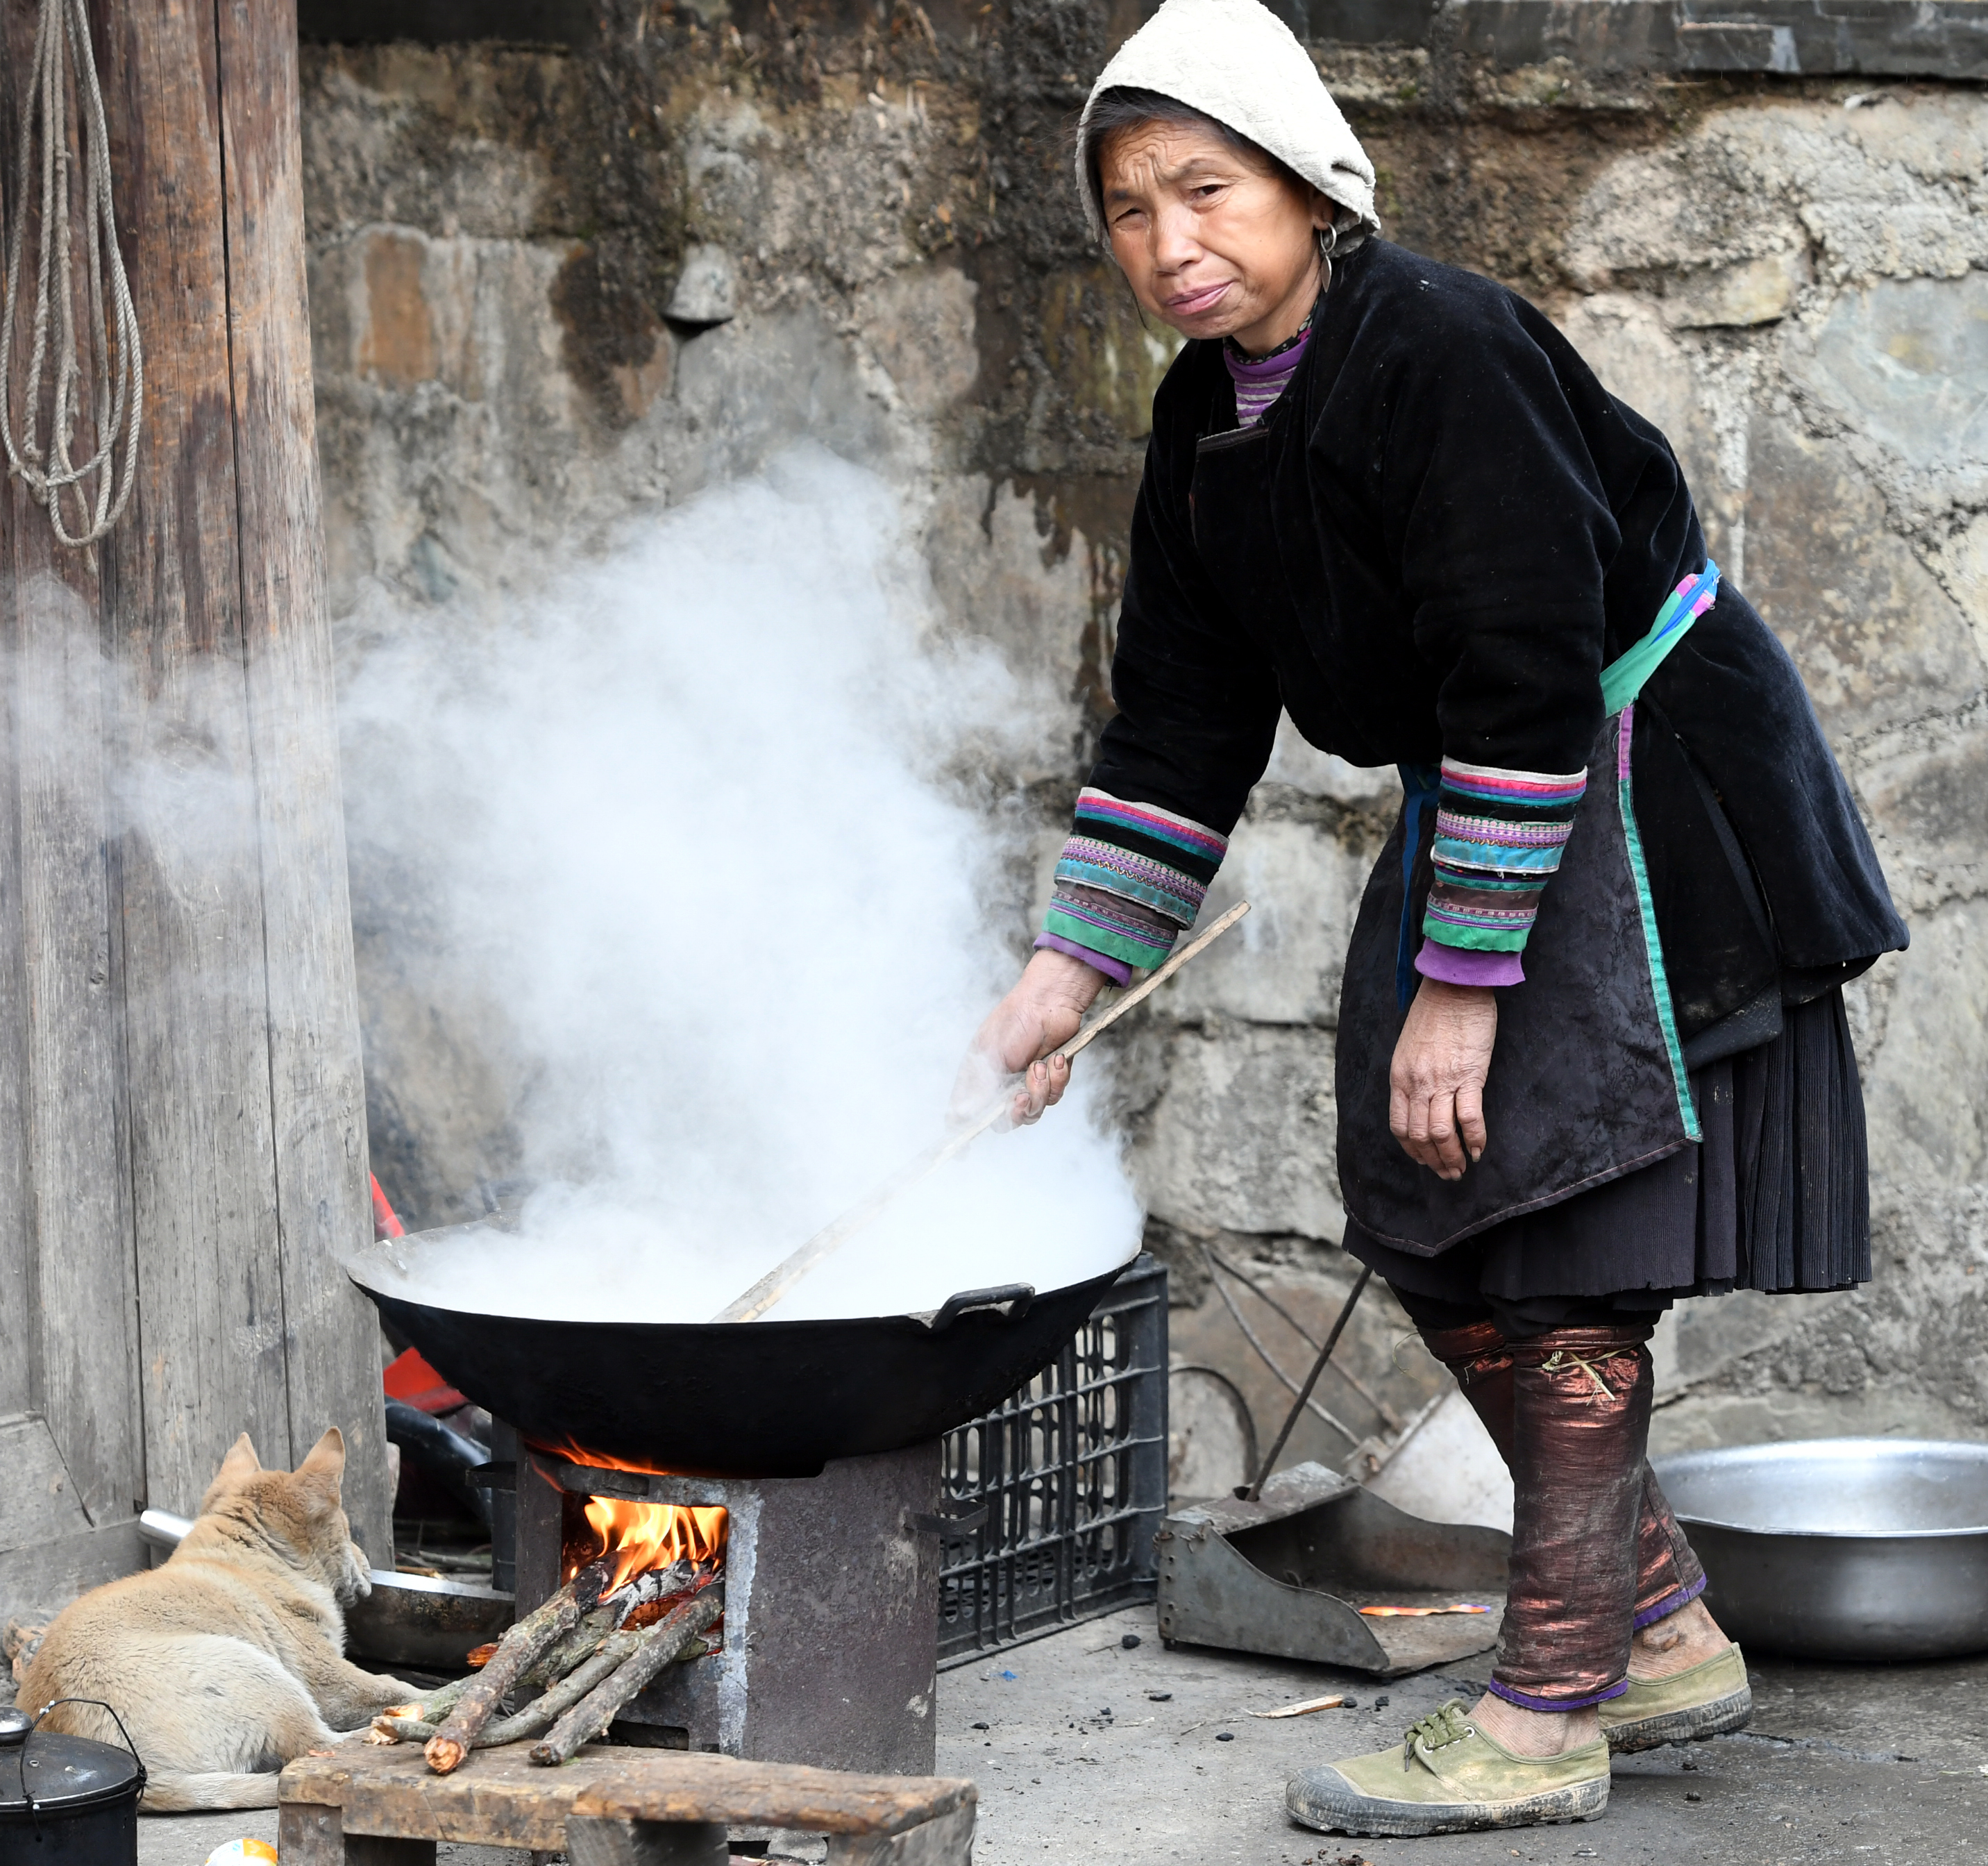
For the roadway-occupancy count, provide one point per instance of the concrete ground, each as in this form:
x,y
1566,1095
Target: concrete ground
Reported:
x,y
1092,1751
1844,1764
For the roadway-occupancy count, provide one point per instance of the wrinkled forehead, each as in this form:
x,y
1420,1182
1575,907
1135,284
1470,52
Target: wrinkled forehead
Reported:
x,y
1158,153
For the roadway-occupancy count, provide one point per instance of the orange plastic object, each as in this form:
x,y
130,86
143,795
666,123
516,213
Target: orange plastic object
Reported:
x,y
411,1379
385,1224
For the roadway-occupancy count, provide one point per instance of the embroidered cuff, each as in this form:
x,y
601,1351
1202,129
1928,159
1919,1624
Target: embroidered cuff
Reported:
x,y
1143,852
1499,835
1116,970
1460,965
1130,877
1107,925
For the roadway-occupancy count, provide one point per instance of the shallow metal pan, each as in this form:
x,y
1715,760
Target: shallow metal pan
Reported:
x,y
1841,1548
753,1399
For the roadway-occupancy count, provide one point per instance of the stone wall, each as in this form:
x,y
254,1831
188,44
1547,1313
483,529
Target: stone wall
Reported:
x,y
554,286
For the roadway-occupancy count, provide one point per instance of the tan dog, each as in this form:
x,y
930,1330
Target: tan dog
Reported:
x,y
227,1660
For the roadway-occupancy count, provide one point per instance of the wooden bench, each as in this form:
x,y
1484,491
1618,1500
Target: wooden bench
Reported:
x,y
609,1806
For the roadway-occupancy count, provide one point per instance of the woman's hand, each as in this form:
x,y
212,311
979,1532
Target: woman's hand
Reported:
x,y
1436,1105
1045,1008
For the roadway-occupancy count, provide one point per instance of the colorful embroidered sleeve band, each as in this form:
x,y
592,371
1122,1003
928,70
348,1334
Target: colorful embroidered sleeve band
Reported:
x,y
1499,835
1131,874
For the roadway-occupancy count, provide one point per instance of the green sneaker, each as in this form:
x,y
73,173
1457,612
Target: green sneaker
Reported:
x,y
1449,1777
1708,1700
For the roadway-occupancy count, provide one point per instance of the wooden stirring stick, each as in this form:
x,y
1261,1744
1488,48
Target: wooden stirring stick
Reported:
x,y
784,1275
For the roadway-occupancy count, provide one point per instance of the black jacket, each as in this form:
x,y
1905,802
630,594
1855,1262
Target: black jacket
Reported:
x,y
1430,546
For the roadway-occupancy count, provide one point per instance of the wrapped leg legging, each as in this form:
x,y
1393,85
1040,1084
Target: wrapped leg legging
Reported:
x,y
1596,1552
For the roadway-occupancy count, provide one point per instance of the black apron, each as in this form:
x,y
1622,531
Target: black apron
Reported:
x,y
1587,1079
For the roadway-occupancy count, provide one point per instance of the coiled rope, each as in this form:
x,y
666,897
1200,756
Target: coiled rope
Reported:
x,y
101,485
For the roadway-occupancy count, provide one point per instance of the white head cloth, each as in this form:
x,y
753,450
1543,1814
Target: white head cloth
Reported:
x,y
1236,61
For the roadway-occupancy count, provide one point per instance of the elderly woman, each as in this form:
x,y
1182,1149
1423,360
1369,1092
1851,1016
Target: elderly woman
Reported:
x,y
1592,1054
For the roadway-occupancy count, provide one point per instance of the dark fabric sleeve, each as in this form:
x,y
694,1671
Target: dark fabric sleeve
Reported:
x,y
1498,517
1198,700
1197,708
1500,522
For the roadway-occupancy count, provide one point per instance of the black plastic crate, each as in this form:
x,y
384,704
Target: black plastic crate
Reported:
x,y
1072,1469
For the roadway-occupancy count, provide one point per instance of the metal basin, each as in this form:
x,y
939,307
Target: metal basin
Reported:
x,y
1841,1548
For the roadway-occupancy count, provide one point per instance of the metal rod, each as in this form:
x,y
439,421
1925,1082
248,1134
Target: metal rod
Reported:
x,y
1311,1379
1389,1417
1284,1380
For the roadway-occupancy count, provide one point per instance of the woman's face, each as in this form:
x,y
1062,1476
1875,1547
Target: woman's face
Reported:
x,y
1216,242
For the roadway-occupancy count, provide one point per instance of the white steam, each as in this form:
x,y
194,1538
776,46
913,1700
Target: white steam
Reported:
x,y
683,814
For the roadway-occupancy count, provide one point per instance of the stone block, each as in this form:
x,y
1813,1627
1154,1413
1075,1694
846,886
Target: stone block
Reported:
x,y
1760,291
1962,565
457,145
707,288
1944,39
1283,964
1928,803
1926,1088
1884,191
751,389
1878,641
1906,361
1671,211
919,323
1240,1136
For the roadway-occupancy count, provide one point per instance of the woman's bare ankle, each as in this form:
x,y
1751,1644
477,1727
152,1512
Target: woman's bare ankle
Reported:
x,y
1676,1643
1538,1733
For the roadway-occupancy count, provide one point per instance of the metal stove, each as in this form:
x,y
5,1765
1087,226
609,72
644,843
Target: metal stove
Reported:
x,y
831,1607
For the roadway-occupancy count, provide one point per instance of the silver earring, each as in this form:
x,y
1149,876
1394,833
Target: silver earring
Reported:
x,y
1328,244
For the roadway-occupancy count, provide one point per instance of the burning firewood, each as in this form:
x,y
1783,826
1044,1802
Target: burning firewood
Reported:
x,y
516,1651
681,1576
659,1645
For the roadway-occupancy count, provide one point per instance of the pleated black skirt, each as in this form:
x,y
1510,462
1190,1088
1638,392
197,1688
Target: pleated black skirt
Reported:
x,y
1776,1197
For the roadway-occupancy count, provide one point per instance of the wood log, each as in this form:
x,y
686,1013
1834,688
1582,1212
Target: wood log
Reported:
x,y
435,1706
516,1651
660,1644
581,1643
560,1660
316,1086
543,1711
507,1801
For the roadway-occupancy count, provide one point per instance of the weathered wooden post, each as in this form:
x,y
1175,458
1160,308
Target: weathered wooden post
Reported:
x,y
182,1134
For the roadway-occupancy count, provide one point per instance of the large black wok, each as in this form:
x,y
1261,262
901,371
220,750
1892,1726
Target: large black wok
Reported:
x,y
746,1399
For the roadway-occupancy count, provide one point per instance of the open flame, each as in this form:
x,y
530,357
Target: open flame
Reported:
x,y
638,1537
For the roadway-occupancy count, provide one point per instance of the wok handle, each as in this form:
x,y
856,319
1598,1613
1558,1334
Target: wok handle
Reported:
x,y
1014,1299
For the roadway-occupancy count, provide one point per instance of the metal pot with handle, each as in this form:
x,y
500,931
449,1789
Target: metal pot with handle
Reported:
x,y
762,1399
66,1800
